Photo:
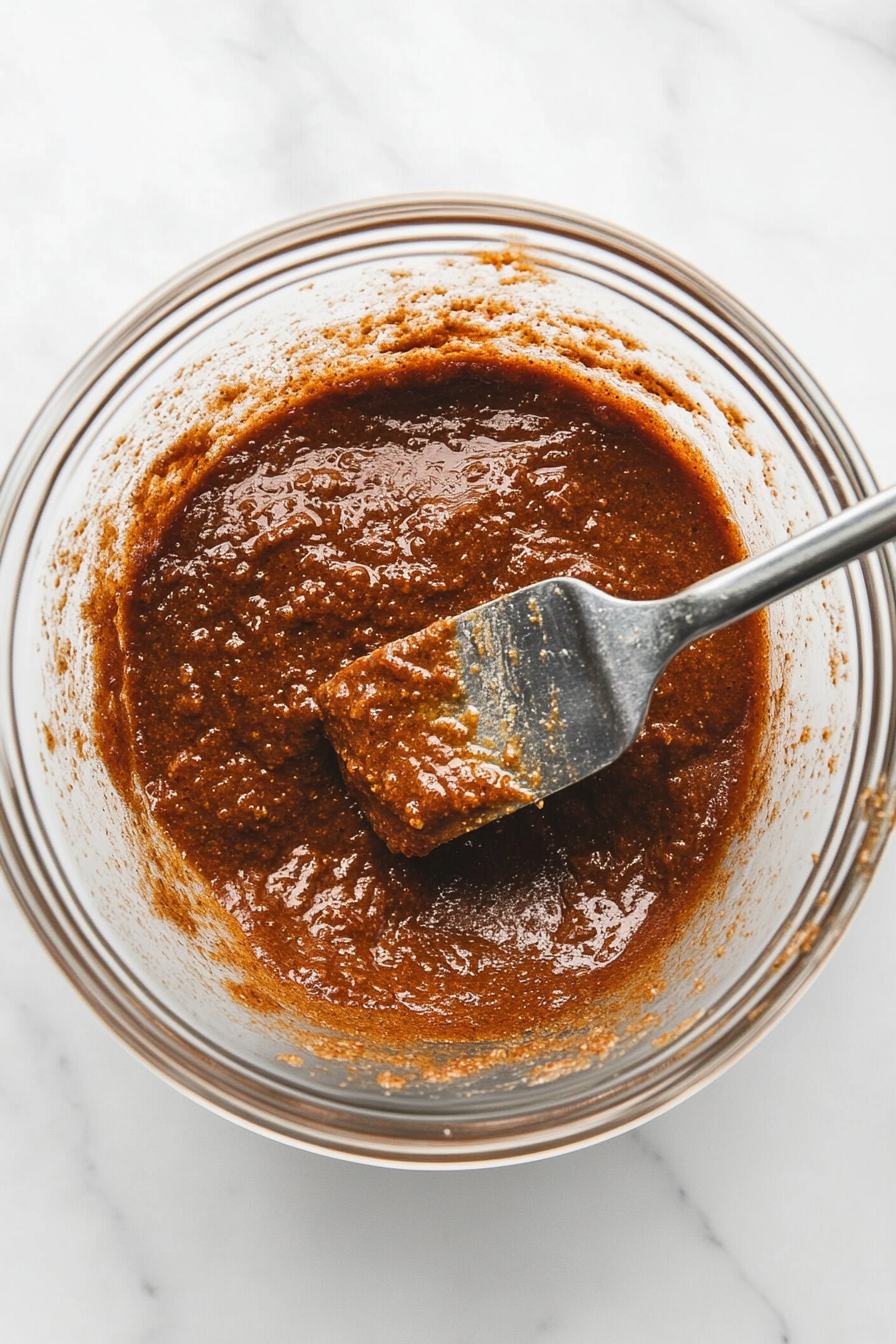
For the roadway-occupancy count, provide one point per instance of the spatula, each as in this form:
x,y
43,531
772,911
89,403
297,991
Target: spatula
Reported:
x,y
510,702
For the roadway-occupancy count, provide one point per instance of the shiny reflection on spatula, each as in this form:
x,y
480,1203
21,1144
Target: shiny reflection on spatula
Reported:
x,y
506,704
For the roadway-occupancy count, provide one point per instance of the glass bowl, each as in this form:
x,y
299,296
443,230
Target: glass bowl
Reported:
x,y
784,459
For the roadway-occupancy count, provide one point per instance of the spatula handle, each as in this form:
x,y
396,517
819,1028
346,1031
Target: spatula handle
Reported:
x,y
735,592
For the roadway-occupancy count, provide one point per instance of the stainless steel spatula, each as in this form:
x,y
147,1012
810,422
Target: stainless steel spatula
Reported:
x,y
557,677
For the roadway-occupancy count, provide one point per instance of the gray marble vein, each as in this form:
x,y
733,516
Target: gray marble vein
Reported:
x,y
871,26
643,1139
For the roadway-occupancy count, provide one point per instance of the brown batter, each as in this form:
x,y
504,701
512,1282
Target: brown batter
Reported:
x,y
362,517
405,734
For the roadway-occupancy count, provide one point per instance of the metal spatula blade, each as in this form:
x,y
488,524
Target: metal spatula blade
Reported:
x,y
560,676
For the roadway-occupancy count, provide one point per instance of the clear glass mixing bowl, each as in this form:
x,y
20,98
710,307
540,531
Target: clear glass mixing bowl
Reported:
x,y
794,877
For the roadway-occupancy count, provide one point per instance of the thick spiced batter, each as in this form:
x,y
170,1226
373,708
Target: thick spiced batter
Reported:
x,y
405,734
363,517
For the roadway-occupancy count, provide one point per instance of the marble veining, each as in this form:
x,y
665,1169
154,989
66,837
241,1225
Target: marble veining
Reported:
x,y
874,26
757,141
709,1234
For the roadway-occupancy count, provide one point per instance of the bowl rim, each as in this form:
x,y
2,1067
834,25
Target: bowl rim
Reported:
x,y
220,1082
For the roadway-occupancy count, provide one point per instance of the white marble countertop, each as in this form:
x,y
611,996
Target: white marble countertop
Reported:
x,y
756,139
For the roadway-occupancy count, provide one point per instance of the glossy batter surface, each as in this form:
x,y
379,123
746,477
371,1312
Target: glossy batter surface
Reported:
x,y
358,519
